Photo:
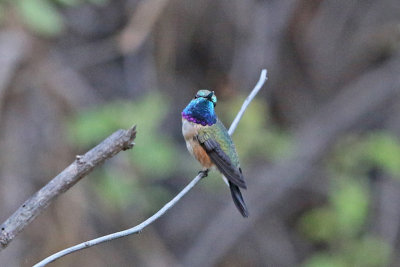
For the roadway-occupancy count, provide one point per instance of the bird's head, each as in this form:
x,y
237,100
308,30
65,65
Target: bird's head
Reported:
x,y
201,109
207,95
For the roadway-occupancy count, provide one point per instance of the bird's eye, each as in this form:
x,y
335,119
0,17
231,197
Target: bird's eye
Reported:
x,y
196,96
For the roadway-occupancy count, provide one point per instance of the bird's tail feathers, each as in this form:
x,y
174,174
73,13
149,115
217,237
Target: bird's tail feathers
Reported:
x,y
238,199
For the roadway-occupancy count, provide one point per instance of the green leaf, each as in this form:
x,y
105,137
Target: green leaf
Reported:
x,y
350,201
325,260
98,2
1,14
93,125
156,197
319,224
41,17
116,187
383,149
68,2
254,137
348,156
368,252
119,189
155,157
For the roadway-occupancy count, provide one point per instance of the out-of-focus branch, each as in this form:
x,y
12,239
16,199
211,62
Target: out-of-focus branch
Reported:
x,y
170,204
82,166
140,25
312,139
13,47
128,41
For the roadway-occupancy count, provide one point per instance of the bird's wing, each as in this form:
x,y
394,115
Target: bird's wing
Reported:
x,y
223,162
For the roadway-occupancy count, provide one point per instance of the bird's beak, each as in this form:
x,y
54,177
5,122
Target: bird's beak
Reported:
x,y
210,95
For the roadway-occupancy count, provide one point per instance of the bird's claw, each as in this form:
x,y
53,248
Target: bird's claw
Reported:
x,y
204,172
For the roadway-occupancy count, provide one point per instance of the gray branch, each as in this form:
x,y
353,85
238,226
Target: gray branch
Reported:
x,y
82,166
13,48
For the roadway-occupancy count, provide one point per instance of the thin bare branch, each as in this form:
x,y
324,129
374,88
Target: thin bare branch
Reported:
x,y
257,88
166,207
82,166
134,230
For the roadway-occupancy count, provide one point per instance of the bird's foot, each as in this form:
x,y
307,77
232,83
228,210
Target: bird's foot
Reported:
x,y
204,172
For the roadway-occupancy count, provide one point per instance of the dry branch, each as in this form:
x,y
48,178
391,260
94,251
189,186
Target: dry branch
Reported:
x,y
140,25
13,48
82,166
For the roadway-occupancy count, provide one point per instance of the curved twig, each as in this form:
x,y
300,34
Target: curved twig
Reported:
x,y
257,88
166,207
134,230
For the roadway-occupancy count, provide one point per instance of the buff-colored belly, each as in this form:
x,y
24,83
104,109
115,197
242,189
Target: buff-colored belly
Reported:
x,y
189,131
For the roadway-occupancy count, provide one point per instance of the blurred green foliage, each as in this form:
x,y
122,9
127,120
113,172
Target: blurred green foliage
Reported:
x,y
257,136
42,16
118,189
340,223
153,158
154,154
1,12
383,150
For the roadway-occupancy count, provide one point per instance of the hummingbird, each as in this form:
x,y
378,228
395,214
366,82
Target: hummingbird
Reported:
x,y
210,143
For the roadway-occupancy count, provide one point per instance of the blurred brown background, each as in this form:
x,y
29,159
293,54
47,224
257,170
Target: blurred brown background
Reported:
x,y
319,146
